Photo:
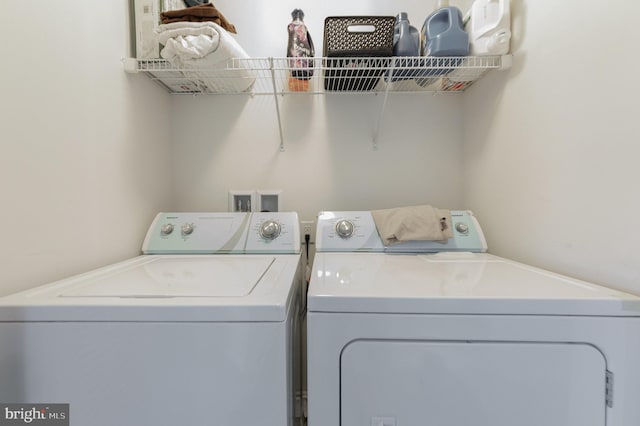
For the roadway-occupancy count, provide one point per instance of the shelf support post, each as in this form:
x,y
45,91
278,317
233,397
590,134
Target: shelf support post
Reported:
x,y
275,97
376,132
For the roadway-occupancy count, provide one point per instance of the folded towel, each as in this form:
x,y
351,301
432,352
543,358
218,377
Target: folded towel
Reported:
x,y
184,40
413,223
202,13
202,51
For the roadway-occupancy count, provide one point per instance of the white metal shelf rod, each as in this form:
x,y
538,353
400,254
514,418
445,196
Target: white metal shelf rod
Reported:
x,y
275,96
376,131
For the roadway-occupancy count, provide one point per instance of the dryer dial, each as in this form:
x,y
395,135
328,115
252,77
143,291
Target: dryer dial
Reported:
x,y
187,228
462,228
344,228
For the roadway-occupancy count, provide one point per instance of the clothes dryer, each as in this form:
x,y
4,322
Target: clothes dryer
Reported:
x,y
425,333
203,329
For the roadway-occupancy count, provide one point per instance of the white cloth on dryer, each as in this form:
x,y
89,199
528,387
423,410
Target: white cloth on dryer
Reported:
x,y
415,223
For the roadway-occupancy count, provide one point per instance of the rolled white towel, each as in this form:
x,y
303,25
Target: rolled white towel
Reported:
x,y
202,50
185,41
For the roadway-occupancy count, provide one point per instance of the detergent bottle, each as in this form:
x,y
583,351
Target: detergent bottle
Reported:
x,y
443,32
406,38
300,50
489,27
406,43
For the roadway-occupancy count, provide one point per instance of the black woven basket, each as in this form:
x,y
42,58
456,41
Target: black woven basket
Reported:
x,y
363,44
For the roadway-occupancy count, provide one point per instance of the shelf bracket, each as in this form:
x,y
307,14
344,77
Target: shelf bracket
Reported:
x,y
376,132
506,62
275,97
130,65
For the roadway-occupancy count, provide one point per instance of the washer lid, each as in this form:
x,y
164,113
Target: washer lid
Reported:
x,y
178,277
454,283
167,288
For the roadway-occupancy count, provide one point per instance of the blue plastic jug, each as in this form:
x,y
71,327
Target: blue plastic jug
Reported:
x,y
406,43
406,38
443,34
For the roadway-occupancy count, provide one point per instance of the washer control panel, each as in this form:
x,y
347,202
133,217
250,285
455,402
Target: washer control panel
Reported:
x,y
176,233
277,232
348,231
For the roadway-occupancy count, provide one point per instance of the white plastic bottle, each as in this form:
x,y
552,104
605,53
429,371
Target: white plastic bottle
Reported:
x,y
489,27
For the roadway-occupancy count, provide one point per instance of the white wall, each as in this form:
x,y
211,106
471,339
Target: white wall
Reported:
x,y
551,147
231,142
547,156
84,164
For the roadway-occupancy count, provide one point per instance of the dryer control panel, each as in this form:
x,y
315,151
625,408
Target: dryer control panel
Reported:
x,y
349,231
178,233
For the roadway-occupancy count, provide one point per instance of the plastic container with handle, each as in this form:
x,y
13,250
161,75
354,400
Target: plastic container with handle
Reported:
x,y
489,27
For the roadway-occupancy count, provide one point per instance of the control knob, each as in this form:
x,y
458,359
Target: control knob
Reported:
x,y
187,228
166,229
344,228
462,228
270,230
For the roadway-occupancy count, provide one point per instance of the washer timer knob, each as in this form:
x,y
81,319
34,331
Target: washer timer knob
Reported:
x,y
270,230
166,229
344,228
462,228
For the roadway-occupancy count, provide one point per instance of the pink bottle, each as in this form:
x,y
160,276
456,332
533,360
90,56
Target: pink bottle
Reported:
x,y
300,50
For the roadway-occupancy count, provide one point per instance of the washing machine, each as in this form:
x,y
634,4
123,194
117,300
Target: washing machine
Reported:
x,y
202,329
429,333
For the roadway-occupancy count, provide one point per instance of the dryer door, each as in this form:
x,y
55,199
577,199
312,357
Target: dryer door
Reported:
x,y
391,383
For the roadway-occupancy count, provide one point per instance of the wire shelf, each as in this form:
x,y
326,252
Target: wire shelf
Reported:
x,y
269,76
